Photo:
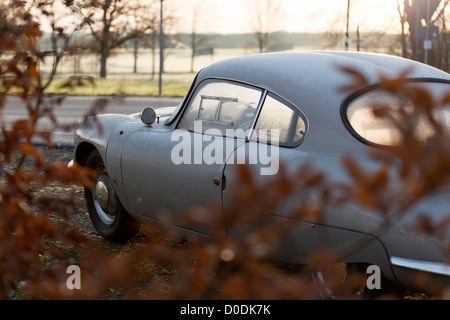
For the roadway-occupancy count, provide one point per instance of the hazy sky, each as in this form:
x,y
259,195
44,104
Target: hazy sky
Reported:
x,y
233,16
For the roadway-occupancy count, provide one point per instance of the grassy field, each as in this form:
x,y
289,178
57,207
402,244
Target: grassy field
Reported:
x,y
137,87
121,79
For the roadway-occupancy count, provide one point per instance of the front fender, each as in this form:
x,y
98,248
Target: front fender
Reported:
x,y
95,132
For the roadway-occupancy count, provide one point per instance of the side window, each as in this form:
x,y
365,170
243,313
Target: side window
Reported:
x,y
221,105
282,116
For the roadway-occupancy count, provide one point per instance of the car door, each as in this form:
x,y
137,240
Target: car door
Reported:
x,y
275,140
167,174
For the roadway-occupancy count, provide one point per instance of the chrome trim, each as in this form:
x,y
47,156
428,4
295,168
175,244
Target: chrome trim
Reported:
x,y
427,266
258,111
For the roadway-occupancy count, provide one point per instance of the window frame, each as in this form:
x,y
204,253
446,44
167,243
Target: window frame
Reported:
x,y
294,109
242,84
264,94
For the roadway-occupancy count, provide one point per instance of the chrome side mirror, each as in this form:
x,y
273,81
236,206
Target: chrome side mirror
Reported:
x,y
148,116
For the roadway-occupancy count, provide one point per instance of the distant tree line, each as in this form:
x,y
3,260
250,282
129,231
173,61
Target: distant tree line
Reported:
x,y
114,24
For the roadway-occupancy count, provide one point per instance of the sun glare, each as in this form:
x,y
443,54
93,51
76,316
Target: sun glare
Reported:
x,y
232,16
325,15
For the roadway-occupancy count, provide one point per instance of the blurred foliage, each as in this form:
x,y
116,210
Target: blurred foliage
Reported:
x,y
27,223
38,241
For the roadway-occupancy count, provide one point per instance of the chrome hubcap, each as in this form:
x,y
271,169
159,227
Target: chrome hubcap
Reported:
x,y
105,200
102,194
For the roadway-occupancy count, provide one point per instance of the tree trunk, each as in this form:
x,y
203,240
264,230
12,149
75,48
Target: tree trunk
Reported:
x,y
153,53
403,39
135,54
104,53
411,18
445,46
193,46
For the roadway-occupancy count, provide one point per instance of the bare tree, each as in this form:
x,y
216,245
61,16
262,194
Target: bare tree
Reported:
x,y
199,13
152,18
335,33
265,15
333,36
80,46
403,37
111,26
144,17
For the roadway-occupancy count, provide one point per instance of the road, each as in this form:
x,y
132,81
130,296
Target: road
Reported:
x,y
74,108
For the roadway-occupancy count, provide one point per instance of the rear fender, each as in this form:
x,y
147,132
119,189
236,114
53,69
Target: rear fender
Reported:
x,y
303,240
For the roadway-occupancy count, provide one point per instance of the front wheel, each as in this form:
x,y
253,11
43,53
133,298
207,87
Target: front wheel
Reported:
x,y
107,214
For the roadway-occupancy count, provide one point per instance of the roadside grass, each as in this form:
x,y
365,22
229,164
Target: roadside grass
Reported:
x,y
119,87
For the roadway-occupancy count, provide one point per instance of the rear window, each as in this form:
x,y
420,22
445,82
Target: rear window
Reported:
x,y
367,126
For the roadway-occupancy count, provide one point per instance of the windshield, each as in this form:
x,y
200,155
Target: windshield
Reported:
x,y
175,113
381,117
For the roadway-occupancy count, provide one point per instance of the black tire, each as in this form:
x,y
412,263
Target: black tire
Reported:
x,y
107,214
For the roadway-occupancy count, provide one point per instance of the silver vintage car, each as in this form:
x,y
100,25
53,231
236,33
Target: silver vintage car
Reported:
x,y
267,111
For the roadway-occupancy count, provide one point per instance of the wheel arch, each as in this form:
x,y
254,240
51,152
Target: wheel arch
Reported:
x,y
82,152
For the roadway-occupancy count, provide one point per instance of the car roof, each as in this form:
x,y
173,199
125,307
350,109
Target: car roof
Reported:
x,y
313,82
276,70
